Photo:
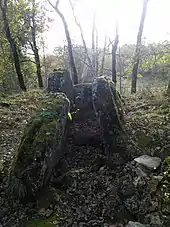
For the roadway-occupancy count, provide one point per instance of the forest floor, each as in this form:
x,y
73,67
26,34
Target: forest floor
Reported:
x,y
97,195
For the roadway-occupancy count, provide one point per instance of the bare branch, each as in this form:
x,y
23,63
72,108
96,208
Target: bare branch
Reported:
x,y
70,51
57,3
82,36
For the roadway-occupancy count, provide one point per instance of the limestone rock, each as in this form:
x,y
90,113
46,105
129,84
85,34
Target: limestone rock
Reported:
x,y
61,81
41,146
149,162
107,107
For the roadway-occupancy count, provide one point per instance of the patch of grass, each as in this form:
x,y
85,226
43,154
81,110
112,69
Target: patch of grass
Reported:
x,y
40,222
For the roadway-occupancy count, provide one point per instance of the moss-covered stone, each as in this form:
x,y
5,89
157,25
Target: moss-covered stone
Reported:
x,y
107,105
60,81
41,146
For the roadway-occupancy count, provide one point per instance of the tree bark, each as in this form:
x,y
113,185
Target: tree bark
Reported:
x,y
34,47
96,55
37,58
114,49
93,48
138,46
70,51
103,57
168,90
120,76
13,46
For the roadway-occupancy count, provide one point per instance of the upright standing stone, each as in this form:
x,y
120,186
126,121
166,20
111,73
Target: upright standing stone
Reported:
x,y
108,111
61,81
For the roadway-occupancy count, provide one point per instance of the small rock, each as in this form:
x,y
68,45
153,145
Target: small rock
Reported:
x,y
48,212
106,225
140,172
155,220
149,162
153,183
135,224
42,211
158,178
154,206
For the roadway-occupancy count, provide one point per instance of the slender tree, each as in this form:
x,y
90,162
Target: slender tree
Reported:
x,y
114,50
103,56
96,53
70,51
93,46
120,72
168,90
33,43
138,47
8,35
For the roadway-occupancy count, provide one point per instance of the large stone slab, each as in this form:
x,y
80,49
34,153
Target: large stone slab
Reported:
x,y
41,146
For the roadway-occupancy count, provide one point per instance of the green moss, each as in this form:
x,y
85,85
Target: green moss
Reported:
x,y
44,131
39,222
40,129
167,161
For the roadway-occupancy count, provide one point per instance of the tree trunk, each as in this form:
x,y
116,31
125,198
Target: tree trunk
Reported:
x,y
114,49
34,47
103,57
96,55
93,48
13,47
36,56
44,61
70,51
138,46
168,90
120,76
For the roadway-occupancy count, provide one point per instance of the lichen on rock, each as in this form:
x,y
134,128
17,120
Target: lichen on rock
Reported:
x,y
41,146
